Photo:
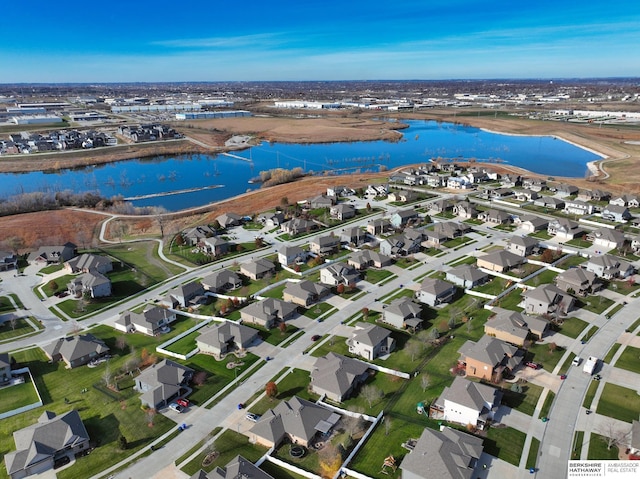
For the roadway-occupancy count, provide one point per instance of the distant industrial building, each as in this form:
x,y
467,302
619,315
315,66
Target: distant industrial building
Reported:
x,y
147,108
35,119
201,115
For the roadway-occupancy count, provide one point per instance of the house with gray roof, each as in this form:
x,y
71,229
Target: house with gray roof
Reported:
x,y
547,299
54,254
337,377
403,218
268,312
353,236
564,189
8,261
5,368
214,246
220,338
342,211
221,280
499,261
630,201
563,229
258,268
160,383
321,201
514,327
89,262
297,419
92,283
489,358
304,293
526,195
40,445
195,235
434,291
370,341
496,217
185,295
466,276
619,214
578,281
467,402
227,220
403,244
522,245
76,350
403,313
271,220
237,468
609,267
378,226
446,454
297,226
150,322
578,207
549,202
531,224
324,245
607,238
465,210
440,206
366,258
339,273
291,255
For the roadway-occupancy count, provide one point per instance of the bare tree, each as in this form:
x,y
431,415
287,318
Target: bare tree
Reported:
x,y
121,342
106,376
425,382
370,394
612,435
387,425
414,348
13,322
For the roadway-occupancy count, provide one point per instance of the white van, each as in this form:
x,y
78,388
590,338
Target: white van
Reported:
x,y
576,361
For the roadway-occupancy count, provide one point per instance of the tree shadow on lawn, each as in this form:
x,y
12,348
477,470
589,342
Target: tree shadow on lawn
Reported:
x,y
102,430
291,392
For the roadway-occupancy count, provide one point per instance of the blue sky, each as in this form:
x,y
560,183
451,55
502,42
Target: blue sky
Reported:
x,y
208,40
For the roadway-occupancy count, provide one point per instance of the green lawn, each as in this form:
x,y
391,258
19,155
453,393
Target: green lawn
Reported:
x,y
532,458
634,326
274,292
546,277
611,353
186,344
317,310
511,300
505,443
18,396
619,403
274,335
57,285
623,287
279,472
197,446
524,402
543,354
387,384
374,276
143,256
573,260
629,359
590,332
455,242
51,269
595,304
494,287
228,445
591,393
7,332
572,327
293,384
542,234
578,440
579,243
598,449
546,407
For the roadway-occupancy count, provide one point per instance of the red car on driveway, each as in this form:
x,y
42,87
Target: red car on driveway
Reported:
x,y
183,402
532,365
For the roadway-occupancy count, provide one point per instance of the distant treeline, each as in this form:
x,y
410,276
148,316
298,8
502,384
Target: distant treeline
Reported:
x,y
42,201
278,176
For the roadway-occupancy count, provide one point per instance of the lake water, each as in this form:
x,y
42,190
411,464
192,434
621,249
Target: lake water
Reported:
x,y
422,141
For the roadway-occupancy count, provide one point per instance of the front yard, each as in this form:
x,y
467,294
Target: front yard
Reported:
x,y
619,402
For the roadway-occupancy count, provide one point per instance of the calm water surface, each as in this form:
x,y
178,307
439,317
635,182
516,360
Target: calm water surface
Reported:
x,y
422,141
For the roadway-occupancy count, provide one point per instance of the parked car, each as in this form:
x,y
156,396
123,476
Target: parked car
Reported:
x,y
182,402
252,417
176,407
315,337
533,365
576,361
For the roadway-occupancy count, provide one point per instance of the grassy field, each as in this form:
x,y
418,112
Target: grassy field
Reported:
x,y
532,458
546,277
505,443
143,256
546,407
494,287
22,328
5,305
293,384
619,403
572,327
573,260
598,448
524,402
186,344
629,359
578,440
511,300
591,393
595,304
543,354
18,396
374,276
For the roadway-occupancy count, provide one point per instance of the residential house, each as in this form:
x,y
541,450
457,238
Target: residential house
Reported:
x,y
434,291
403,313
459,182
594,195
76,350
549,202
214,246
440,206
222,338
526,195
402,245
340,191
563,229
89,262
496,217
489,358
54,254
5,368
292,255
578,207
258,269
40,445
607,238
522,245
466,276
436,180
162,382
228,220
370,341
298,420
195,235
534,184
221,281
353,236
578,281
452,229
377,190
509,326
609,267
150,322
433,239
510,181
366,258
271,220
499,261
337,377
304,293
268,312
403,218
467,402
547,299
531,224
298,226
185,295
500,193
238,467
379,226
634,438
321,201
339,273
92,283
625,200
342,211
619,214
324,245
465,210
445,454
403,196
564,189
8,261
